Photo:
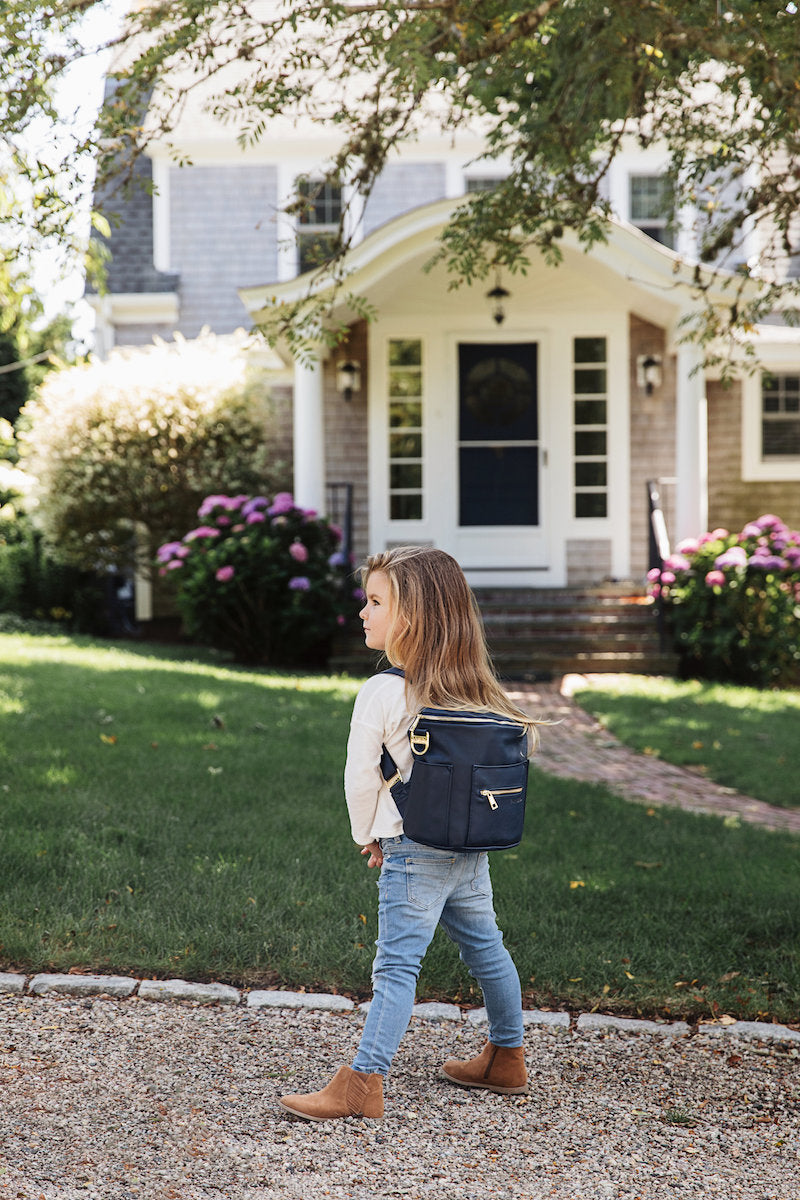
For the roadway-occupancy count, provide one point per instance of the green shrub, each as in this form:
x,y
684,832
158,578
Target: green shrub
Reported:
x,y
123,451
732,603
263,580
34,586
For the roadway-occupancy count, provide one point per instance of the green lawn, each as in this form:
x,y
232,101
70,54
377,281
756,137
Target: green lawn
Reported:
x,y
169,817
741,737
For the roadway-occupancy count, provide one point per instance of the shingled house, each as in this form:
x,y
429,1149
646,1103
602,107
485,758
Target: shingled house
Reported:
x,y
523,441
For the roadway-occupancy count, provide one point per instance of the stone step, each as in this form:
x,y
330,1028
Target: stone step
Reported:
x,y
588,622
535,633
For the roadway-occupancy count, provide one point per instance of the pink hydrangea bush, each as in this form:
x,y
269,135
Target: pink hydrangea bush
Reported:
x,y
732,602
265,580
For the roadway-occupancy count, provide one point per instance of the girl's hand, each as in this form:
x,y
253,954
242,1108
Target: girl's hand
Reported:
x,y
375,856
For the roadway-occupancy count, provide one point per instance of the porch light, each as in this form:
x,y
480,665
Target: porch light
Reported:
x,y
498,295
348,377
648,372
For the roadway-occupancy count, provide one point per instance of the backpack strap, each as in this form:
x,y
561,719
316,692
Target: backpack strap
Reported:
x,y
389,769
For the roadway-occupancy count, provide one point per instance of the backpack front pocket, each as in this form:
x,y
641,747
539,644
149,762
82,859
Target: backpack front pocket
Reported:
x,y
497,806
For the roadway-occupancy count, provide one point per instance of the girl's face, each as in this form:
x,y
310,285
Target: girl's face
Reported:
x,y
378,612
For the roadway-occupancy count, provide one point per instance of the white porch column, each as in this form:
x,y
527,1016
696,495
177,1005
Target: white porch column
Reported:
x,y
691,449
309,437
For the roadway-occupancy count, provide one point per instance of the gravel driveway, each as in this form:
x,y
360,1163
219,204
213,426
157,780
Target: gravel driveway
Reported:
x,y
116,1099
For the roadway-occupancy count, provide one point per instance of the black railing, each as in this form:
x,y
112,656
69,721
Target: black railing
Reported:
x,y
657,526
340,512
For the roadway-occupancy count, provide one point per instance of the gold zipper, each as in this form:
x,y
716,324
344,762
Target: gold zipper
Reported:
x,y
490,795
465,720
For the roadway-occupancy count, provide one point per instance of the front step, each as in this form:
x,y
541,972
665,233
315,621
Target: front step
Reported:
x,y
536,633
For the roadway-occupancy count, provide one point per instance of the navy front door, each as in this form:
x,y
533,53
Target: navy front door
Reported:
x,y
498,434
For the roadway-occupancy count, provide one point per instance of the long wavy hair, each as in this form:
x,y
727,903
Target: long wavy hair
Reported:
x,y
436,634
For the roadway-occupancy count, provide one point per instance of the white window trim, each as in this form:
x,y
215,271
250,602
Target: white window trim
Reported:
x,y
162,248
756,468
289,227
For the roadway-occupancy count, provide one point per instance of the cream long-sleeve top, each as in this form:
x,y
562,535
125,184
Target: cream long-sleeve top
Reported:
x,y
380,717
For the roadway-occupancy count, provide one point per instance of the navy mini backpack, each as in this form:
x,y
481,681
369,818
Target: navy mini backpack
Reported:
x,y
468,786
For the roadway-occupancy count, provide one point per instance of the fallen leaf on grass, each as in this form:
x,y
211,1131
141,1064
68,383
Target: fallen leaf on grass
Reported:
x,y
576,883
108,738
648,866
726,978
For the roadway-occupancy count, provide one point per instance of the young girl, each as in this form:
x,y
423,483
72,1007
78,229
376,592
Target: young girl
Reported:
x,y
420,612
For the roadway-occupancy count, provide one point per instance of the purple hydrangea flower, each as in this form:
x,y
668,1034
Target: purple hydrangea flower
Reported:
x,y
768,562
688,546
667,577
283,503
253,505
769,521
298,552
736,556
168,551
202,531
299,583
255,518
337,560
749,531
715,579
210,503
677,562
223,574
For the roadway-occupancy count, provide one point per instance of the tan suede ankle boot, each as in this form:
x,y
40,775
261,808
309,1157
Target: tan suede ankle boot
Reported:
x,y
497,1068
349,1094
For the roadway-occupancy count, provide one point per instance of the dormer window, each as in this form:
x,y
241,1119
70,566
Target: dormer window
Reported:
x,y
481,183
318,221
649,207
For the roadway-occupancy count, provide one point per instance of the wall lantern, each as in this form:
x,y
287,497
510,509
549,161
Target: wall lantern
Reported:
x,y
348,377
648,372
498,295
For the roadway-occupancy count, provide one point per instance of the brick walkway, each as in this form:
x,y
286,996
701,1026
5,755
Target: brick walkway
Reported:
x,y
578,747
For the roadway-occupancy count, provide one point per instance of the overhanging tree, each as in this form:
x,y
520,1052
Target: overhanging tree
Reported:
x,y
556,88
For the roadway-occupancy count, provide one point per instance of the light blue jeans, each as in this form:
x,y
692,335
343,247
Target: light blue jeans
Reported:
x,y
420,887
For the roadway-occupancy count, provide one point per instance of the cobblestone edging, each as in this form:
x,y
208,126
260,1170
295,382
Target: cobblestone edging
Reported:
x,y
122,987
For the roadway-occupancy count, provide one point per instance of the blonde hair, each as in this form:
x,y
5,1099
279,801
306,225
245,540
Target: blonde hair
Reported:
x,y
436,634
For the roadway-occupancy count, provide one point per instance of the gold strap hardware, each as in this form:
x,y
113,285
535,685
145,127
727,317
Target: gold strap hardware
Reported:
x,y
420,742
396,778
